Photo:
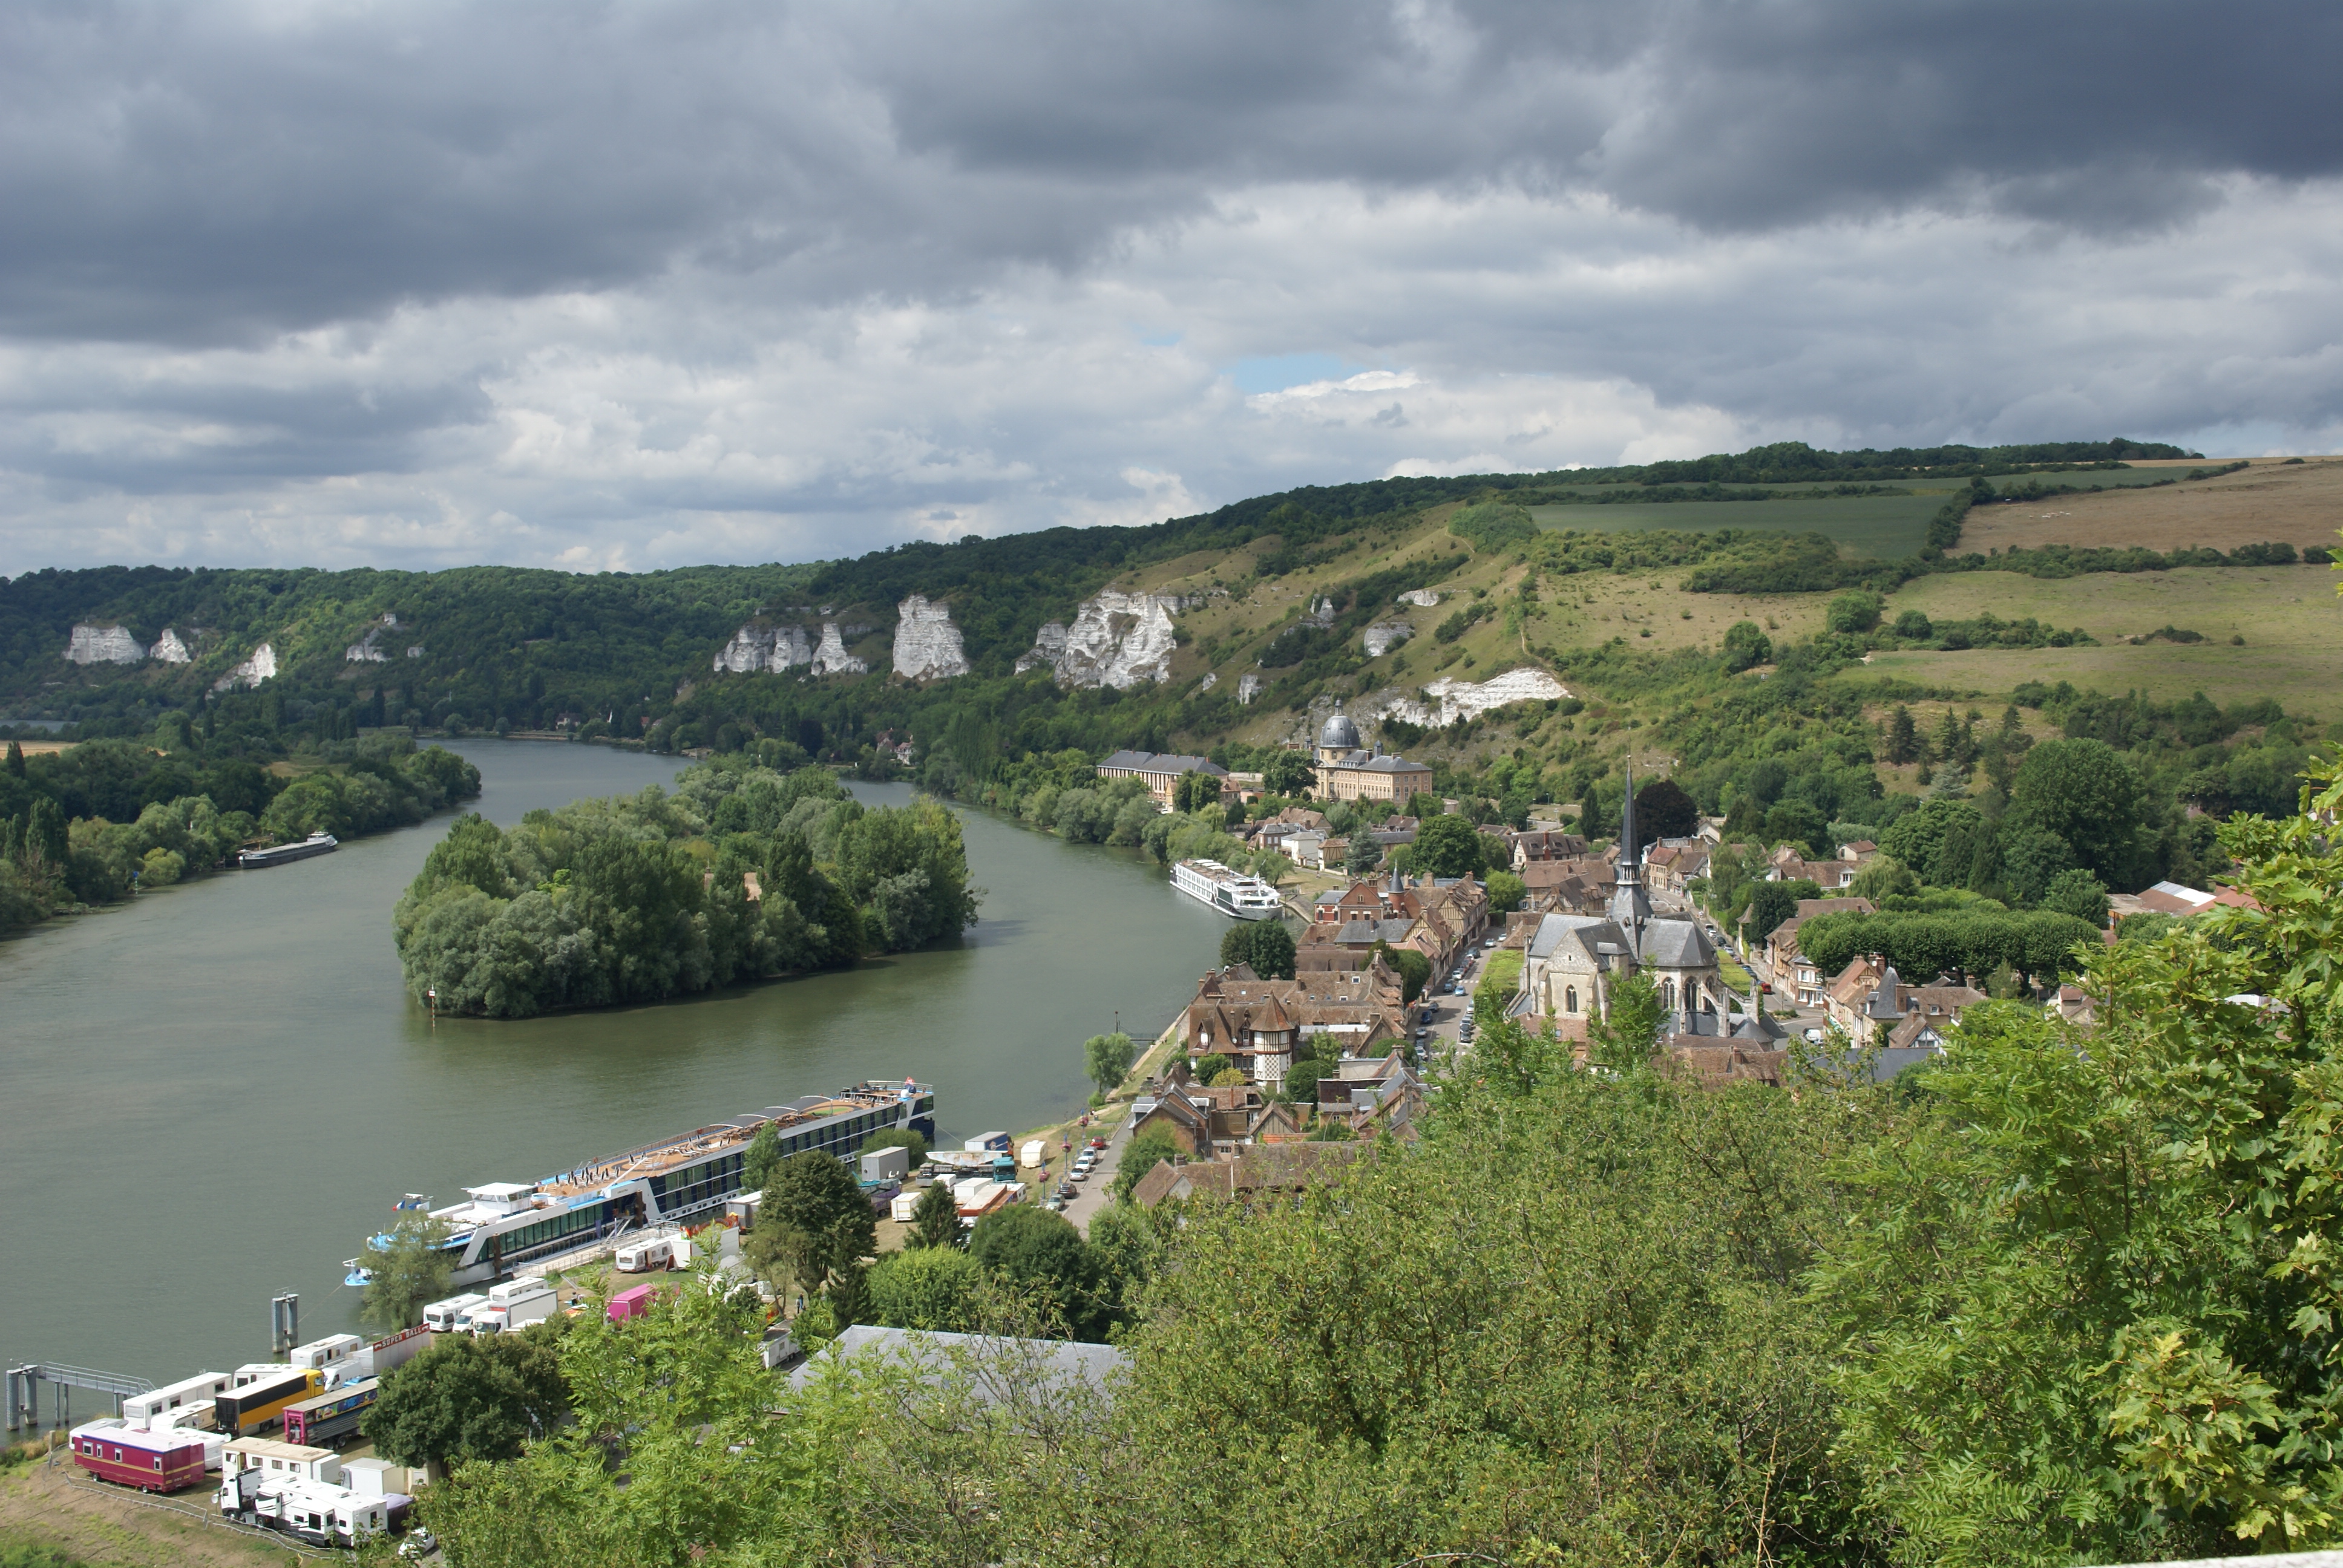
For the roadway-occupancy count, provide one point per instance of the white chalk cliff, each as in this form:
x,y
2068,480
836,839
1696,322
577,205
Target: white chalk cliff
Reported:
x,y
1248,687
1386,635
1422,598
1450,700
170,650
927,644
260,667
755,649
831,657
103,645
1118,640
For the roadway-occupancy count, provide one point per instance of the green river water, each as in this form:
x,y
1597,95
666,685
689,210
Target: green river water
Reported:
x,y
215,1093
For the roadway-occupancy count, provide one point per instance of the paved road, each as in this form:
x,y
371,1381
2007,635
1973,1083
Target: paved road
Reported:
x,y
1091,1196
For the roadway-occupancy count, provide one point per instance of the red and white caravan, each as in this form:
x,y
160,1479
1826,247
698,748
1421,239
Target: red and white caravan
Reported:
x,y
166,1461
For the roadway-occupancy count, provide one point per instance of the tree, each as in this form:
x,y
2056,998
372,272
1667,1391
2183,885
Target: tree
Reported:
x,y
935,1218
908,1138
1745,646
1917,837
1300,1084
1148,1148
1414,968
1625,1038
1663,810
471,1397
1107,1059
2077,893
764,1153
1288,773
1882,876
930,1288
2089,795
1447,846
1043,1255
410,1275
1208,1067
815,1222
1266,945
1903,743
15,766
1853,613
1771,903
1506,892
1365,854
1195,791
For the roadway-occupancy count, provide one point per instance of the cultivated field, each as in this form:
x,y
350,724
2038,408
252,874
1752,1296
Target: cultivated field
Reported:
x,y
2296,504
2289,615
1883,527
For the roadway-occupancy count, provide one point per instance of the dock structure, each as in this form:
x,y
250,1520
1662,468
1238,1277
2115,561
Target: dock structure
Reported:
x,y
24,1393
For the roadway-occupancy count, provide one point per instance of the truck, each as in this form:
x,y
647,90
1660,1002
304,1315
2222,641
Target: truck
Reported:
x,y
986,1142
517,1310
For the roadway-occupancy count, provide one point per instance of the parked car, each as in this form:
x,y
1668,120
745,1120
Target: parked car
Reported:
x,y
1081,1173
1098,1143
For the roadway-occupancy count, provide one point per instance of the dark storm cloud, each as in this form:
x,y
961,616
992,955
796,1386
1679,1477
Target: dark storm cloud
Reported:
x,y
202,175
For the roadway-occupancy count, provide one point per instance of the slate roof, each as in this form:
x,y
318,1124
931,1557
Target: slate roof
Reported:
x,y
1164,762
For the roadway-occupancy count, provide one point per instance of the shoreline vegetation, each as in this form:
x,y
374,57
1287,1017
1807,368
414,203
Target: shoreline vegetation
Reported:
x,y
90,826
743,873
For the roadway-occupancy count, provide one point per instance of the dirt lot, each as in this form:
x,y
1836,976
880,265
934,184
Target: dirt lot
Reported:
x,y
105,1525
2299,504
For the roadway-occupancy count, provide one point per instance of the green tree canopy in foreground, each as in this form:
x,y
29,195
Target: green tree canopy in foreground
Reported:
x,y
815,1222
1446,846
472,1397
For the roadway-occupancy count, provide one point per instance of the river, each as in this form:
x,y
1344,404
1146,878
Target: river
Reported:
x,y
214,1094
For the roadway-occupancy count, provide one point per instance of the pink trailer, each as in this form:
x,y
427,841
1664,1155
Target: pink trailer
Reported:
x,y
631,1303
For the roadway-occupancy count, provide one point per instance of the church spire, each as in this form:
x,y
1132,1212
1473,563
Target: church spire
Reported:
x,y
1629,905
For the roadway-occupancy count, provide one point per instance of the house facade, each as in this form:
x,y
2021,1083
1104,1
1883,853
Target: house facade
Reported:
x,y
1162,770
1260,1024
1350,770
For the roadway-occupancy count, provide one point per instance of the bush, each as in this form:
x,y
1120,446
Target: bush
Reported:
x,y
1746,645
930,1288
1148,1148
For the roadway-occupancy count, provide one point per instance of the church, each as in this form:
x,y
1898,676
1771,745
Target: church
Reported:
x,y
1348,771
1573,961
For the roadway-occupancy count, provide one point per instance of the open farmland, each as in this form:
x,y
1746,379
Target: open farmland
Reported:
x,y
2289,615
1882,527
2296,504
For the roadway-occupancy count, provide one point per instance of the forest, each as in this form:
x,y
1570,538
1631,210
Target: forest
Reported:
x,y
742,873
91,824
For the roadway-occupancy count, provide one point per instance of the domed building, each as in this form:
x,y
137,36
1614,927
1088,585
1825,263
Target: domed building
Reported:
x,y
1338,738
1349,769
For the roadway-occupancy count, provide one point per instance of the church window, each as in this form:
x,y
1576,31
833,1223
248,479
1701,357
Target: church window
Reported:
x,y
1570,998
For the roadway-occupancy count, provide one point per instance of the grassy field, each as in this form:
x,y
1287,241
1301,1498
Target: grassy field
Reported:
x,y
2297,503
2289,615
1883,526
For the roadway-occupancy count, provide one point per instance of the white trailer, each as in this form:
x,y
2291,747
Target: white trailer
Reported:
x,y
199,1389
515,1311
440,1317
646,1256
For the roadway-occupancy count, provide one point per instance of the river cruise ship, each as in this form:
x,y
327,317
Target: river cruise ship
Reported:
x,y
1233,893
681,1180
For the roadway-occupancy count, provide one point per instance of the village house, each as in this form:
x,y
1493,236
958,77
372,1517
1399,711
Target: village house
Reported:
x,y
1675,863
1247,1175
1348,771
1563,888
1445,913
1162,770
1373,1096
1258,1025
2174,898
1785,865
1546,844
1788,969
1870,1003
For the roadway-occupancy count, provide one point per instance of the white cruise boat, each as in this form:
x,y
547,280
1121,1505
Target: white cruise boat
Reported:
x,y
1233,893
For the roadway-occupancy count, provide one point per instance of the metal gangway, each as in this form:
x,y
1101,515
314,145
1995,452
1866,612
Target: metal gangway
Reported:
x,y
25,1393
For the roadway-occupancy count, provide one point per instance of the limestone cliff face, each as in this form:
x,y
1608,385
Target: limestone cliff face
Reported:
x,y
260,667
1049,647
1445,702
755,649
927,644
1422,598
831,657
103,645
170,650
1386,635
1118,640
1248,687
368,649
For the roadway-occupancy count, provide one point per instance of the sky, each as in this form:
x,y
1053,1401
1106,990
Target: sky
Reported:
x,y
619,286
